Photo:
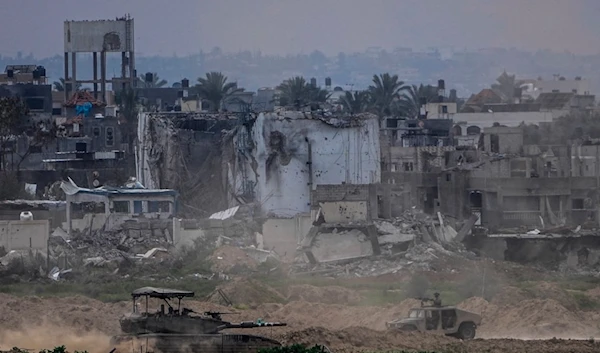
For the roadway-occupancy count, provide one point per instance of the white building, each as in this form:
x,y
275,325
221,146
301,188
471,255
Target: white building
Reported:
x,y
284,155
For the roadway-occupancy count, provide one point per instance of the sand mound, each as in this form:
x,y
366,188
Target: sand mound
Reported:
x,y
325,295
510,296
594,292
228,259
48,336
247,292
545,290
82,314
302,314
362,339
537,318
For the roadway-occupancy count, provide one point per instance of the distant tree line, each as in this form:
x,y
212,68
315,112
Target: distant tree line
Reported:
x,y
386,96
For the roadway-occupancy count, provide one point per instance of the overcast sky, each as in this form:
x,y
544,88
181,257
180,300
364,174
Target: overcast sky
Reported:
x,y
290,26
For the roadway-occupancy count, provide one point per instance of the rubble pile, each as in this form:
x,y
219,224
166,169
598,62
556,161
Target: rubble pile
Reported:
x,y
144,238
420,257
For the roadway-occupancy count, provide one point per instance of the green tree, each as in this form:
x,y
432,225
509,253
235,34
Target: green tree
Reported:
x,y
409,104
386,90
297,91
156,82
505,86
215,89
61,84
357,102
12,113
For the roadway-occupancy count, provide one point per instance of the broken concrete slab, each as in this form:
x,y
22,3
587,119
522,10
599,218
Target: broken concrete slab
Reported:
x,y
391,234
396,238
343,245
259,255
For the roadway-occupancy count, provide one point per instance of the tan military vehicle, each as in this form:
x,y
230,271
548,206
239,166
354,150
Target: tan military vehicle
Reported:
x,y
446,320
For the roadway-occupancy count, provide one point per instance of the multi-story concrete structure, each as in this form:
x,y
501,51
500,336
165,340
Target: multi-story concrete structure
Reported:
x,y
511,184
282,157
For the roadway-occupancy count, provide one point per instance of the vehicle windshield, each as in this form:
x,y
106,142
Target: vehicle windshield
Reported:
x,y
415,313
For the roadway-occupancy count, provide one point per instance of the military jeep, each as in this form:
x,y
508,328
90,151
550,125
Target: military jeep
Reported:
x,y
446,320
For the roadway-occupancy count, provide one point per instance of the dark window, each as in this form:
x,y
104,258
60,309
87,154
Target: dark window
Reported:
x,y
110,139
476,199
578,204
35,149
494,143
473,130
137,207
448,177
391,123
121,206
158,206
56,111
35,103
96,131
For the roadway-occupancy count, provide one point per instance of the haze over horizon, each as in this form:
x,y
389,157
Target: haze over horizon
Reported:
x,y
282,27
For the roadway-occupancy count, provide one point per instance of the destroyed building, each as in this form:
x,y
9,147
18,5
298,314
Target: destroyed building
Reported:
x,y
279,159
183,151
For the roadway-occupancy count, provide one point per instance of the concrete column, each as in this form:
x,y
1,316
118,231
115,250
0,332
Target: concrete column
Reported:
x,y
95,59
132,75
69,221
66,75
123,70
73,69
103,75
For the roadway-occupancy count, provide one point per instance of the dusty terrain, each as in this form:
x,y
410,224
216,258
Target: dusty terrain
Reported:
x,y
325,315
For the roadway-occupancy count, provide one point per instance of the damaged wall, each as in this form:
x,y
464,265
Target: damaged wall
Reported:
x,y
183,151
273,156
283,235
24,235
346,202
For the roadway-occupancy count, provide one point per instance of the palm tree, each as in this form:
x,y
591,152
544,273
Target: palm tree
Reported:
x,y
355,103
61,84
409,104
297,91
386,89
506,86
156,82
215,89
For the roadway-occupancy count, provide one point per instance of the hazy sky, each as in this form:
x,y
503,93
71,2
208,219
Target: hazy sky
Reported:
x,y
291,26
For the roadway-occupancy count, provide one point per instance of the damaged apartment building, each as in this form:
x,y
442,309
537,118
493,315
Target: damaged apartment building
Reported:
x,y
282,162
78,138
524,191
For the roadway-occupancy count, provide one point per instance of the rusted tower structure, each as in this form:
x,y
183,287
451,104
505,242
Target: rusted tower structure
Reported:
x,y
100,37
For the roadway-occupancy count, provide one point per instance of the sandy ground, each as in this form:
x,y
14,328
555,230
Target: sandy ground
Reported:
x,y
315,315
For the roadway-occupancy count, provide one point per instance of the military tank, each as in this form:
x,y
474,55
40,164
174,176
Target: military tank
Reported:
x,y
173,328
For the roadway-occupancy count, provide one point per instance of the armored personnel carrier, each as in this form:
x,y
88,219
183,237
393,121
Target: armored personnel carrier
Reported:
x,y
173,328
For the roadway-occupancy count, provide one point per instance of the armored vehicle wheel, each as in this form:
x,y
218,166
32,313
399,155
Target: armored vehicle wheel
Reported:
x,y
466,331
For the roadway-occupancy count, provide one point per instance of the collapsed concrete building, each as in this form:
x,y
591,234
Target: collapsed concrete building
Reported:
x,y
275,161
182,151
282,159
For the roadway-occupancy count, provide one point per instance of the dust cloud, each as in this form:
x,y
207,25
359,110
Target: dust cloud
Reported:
x,y
48,336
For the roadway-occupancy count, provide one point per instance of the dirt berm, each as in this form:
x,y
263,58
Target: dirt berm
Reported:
x,y
81,323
